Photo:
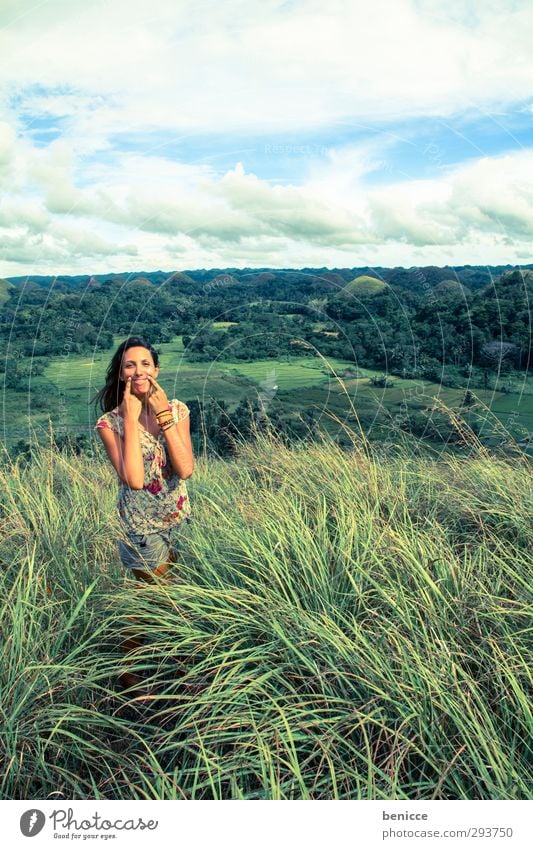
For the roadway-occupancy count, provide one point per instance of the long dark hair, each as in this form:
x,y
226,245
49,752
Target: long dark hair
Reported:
x,y
111,395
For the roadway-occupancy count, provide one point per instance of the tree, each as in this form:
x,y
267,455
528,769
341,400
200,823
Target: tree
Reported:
x,y
468,399
382,381
495,353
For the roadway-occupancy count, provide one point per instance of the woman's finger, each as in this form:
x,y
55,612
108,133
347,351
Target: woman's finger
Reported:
x,y
154,381
127,388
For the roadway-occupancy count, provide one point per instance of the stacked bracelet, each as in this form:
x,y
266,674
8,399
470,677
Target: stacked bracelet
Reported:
x,y
165,419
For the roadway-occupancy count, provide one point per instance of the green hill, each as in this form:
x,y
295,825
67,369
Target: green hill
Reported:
x,y
449,288
5,287
140,281
364,286
518,282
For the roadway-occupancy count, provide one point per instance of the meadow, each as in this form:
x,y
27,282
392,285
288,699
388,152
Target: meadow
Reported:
x,y
339,625
295,383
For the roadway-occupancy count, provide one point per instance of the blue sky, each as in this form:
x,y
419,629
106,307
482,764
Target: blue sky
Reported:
x,y
264,134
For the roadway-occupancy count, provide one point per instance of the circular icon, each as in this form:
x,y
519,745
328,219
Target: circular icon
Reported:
x,y
32,822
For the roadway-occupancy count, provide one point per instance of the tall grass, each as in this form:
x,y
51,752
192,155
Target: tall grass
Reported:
x,y
341,625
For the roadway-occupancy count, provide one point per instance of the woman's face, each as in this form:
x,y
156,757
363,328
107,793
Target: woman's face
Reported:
x,y
137,362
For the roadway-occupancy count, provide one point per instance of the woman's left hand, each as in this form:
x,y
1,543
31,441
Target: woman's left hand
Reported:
x,y
157,398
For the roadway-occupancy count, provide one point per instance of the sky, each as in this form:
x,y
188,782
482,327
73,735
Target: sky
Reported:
x,y
181,135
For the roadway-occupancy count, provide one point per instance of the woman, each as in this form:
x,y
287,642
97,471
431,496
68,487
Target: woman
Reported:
x,y
147,439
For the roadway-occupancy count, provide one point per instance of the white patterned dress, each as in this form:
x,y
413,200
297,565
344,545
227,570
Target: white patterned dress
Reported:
x,y
163,502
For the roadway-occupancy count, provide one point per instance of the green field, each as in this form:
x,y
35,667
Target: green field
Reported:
x,y
296,383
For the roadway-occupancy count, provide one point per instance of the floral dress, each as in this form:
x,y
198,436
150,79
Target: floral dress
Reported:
x,y
163,502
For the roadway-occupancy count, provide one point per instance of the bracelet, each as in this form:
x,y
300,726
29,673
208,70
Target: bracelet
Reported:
x,y
168,426
165,419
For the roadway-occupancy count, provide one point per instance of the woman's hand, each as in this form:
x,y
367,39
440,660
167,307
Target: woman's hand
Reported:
x,y
131,405
156,397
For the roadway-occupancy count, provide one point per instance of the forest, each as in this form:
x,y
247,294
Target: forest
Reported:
x,y
407,328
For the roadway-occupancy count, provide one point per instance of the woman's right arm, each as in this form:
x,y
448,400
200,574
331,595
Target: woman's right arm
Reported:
x,y
125,454
132,460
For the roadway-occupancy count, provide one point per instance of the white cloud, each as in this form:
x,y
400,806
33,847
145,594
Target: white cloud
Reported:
x,y
261,65
185,215
59,246
86,71
7,143
488,202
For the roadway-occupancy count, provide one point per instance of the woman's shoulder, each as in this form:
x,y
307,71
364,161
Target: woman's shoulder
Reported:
x,y
111,420
179,409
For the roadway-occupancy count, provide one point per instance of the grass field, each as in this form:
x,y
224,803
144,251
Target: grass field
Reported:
x,y
339,625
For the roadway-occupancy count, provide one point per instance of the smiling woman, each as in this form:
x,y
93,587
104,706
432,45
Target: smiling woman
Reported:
x,y
147,440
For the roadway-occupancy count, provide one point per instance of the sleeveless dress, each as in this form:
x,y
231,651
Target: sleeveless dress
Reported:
x,y
163,502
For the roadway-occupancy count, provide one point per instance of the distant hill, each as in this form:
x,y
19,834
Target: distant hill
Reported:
x,y
141,281
364,286
522,276
317,281
422,279
221,280
64,283
519,281
449,288
5,286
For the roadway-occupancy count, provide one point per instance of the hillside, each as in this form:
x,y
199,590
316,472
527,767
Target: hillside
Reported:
x,y
340,626
364,285
5,287
415,279
449,288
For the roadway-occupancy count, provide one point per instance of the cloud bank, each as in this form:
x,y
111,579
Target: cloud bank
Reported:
x,y
262,134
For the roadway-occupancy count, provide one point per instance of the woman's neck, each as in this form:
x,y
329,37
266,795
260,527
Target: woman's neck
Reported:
x,y
146,411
